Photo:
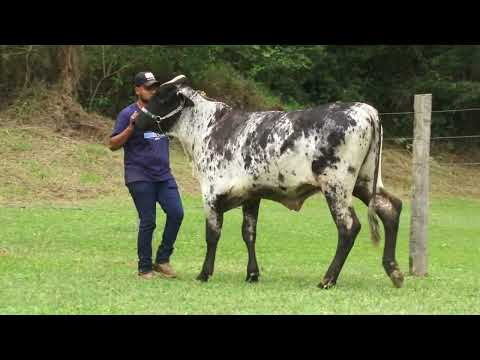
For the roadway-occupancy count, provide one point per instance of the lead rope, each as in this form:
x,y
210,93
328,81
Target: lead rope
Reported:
x,y
158,119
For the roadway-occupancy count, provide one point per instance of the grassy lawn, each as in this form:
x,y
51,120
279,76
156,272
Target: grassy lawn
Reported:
x,y
83,261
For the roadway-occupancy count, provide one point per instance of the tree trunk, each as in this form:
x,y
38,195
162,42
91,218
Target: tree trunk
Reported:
x,y
68,61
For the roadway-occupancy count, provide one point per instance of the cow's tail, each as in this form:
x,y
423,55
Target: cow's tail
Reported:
x,y
377,147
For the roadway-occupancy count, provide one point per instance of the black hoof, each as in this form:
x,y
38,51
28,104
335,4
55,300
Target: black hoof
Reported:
x,y
253,277
202,277
394,273
326,284
397,278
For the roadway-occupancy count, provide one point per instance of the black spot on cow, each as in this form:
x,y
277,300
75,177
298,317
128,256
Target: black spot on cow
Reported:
x,y
335,138
263,140
264,130
327,160
225,202
225,128
266,192
351,170
343,120
319,165
287,144
334,189
248,161
330,118
248,141
305,190
281,178
294,173
283,188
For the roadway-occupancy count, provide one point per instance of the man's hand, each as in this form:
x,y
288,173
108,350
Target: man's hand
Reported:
x,y
131,124
119,140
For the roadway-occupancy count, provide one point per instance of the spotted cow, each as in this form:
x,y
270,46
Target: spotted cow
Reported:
x,y
243,157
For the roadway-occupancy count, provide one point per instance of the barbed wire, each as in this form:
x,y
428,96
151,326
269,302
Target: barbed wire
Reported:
x,y
433,111
436,138
455,163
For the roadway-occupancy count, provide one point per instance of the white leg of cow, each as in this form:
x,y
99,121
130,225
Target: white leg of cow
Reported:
x,y
249,232
213,227
340,203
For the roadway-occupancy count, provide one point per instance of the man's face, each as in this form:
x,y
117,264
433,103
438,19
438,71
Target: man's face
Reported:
x,y
145,93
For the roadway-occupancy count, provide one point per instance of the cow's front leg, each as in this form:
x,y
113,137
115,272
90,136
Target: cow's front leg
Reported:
x,y
249,232
214,224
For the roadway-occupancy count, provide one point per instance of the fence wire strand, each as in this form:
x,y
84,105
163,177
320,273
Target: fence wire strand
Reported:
x,y
433,111
437,137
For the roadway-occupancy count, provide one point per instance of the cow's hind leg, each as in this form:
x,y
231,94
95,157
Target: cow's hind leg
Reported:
x,y
214,224
249,232
388,208
339,201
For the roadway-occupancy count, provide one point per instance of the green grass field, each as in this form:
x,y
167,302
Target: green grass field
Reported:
x,y
72,261
83,261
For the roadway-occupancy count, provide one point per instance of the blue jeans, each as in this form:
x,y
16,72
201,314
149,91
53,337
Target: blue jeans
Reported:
x,y
145,196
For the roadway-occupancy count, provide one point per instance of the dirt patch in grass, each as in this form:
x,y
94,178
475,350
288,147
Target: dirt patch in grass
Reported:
x,y
40,106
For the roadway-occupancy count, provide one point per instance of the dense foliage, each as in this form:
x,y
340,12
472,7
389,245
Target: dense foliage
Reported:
x,y
269,77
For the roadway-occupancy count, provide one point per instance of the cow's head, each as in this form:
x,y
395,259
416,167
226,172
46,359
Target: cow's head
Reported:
x,y
165,107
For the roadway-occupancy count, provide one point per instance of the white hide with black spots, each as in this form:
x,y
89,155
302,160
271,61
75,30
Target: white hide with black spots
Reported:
x,y
243,157
282,156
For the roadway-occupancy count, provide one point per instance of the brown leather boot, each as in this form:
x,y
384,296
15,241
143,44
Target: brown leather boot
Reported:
x,y
146,275
165,270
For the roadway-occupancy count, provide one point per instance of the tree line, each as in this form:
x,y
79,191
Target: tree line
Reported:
x,y
262,77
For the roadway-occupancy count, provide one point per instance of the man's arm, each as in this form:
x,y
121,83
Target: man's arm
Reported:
x,y
117,141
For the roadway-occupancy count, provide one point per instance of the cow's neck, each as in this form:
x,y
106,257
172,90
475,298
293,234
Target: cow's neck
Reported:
x,y
194,123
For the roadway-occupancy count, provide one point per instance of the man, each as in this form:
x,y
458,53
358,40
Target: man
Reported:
x,y
149,180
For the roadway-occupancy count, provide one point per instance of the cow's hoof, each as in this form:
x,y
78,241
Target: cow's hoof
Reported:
x,y
202,277
326,284
397,278
253,277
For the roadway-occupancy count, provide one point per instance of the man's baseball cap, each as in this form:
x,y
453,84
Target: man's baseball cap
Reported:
x,y
146,79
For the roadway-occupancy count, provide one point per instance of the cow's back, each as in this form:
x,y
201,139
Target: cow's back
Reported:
x,y
282,151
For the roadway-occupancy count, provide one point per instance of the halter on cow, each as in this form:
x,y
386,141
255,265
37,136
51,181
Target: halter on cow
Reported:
x,y
243,157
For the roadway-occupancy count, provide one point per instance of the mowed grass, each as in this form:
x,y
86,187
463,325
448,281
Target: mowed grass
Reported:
x,y
71,261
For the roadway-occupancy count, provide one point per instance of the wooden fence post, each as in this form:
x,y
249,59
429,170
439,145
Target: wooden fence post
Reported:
x,y
420,185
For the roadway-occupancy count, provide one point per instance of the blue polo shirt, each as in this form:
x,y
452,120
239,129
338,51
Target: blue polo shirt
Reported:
x,y
146,153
